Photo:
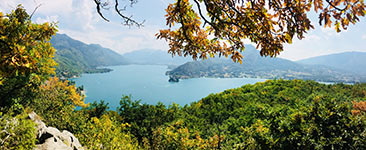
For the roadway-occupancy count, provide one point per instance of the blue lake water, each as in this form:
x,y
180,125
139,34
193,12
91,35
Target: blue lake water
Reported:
x,y
150,84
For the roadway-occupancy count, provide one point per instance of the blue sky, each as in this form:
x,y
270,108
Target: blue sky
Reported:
x,y
78,19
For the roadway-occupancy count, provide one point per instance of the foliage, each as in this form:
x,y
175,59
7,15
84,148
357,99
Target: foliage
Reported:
x,y
268,24
276,114
17,132
176,136
266,115
106,133
56,101
96,109
325,124
144,118
359,108
26,56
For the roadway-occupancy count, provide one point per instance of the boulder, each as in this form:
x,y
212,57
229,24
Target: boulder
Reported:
x,y
50,138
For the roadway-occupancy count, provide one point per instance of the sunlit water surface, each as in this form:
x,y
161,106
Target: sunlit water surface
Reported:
x,y
150,84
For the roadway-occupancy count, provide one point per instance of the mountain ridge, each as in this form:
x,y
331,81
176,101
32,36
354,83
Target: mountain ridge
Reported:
x,y
350,61
75,57
255,66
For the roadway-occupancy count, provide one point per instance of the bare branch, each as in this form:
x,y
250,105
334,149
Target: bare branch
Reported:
x,y
35,9
127,20
99,5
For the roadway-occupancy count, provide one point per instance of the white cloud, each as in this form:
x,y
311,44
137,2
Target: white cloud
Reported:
x,y
330,32
41,20
82,15
121,41
364,37
78,19
312,37
55,6
47,6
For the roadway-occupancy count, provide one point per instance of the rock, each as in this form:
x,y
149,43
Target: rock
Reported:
x,y
41,126
173,79
53,143
50,138
70,140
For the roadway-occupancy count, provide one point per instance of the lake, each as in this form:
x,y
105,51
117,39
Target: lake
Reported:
x,y
150,84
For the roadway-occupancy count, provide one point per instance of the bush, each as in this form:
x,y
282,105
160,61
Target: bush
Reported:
x,y
17,133
106,133
326,123
56,102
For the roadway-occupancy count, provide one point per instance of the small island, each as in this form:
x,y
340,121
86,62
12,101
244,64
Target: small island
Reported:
x,y
173,79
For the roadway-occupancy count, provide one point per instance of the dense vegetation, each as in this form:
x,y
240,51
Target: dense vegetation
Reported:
x,y
255,66
74,57
276,114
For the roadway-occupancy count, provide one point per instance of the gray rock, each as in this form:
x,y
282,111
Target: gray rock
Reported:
x,y
53,143
70,140
41,126
50,138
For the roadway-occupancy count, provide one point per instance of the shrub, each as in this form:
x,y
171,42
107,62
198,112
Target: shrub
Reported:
x,y
17,133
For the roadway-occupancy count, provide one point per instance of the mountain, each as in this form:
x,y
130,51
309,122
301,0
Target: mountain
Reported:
x,y
75,57
155,57
256,66
349,61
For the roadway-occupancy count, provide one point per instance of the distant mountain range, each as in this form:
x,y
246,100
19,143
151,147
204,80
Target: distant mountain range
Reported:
x,y
155,57
255,66
75,57
348,61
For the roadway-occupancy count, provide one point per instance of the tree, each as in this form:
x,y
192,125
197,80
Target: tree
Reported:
x,y
56,101
267,23
96,109
26,55
218,27
106,133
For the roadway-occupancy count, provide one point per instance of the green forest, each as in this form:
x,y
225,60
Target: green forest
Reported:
x,y
74,57
275,114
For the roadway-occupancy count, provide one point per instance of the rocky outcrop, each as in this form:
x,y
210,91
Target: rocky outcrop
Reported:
x,y
50,138
173,78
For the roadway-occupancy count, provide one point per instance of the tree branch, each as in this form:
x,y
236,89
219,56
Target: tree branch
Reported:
x,y
97,2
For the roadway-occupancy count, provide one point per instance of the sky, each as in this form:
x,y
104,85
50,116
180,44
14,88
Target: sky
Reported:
x,y
79,20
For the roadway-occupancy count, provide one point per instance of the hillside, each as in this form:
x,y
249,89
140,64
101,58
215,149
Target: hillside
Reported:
x,y
155,57
255,66
75,57
350,61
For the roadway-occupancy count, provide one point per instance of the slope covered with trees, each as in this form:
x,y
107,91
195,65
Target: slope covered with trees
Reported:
x,y
255,66
75,57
